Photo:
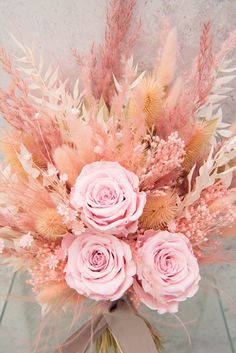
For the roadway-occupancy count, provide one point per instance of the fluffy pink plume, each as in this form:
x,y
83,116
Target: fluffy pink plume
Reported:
x,y
98,68
195,91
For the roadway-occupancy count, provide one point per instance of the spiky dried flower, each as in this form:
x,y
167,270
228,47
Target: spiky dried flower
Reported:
x,y
159,210
49,224
199,143
147,98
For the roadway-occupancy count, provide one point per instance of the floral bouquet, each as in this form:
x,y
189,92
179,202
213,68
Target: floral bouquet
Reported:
x,y
118,191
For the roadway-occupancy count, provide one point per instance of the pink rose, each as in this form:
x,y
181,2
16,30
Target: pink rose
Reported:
x,y
167,271
108,197
99,266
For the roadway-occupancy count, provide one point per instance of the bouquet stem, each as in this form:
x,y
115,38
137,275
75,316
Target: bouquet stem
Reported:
x,y
108,341
118,329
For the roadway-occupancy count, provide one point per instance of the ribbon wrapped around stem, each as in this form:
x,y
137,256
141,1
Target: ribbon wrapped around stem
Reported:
x,y
130,331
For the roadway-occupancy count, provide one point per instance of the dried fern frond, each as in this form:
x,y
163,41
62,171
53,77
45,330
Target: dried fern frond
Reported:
x,y
159,210
15,104
147,98
199,143
41,79
7,66
49,224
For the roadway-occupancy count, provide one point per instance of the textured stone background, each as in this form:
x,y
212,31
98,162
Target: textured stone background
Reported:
x,y
59,25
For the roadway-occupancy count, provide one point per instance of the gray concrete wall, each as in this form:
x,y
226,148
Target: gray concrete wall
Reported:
x,y
59,25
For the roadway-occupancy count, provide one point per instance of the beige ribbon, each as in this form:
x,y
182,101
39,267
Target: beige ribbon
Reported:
x,y
129,330
80,341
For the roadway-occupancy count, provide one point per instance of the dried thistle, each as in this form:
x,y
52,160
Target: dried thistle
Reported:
x,y
159,210
49,224
199,143
147,98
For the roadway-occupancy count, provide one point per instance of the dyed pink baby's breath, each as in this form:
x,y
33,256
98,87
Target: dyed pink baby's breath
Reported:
x,y
68,213
162,158
26,240
198,222
78,227
53,262
63,178
47,267
60,254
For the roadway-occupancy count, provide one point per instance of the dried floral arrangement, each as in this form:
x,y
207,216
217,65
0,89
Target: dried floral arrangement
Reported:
x,y
121,190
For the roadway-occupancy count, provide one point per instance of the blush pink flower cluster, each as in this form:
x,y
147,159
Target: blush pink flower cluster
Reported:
x,y
100,266
167,271
108,197
164,270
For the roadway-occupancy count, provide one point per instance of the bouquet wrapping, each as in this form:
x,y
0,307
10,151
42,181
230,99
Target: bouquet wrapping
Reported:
x,y
118,186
